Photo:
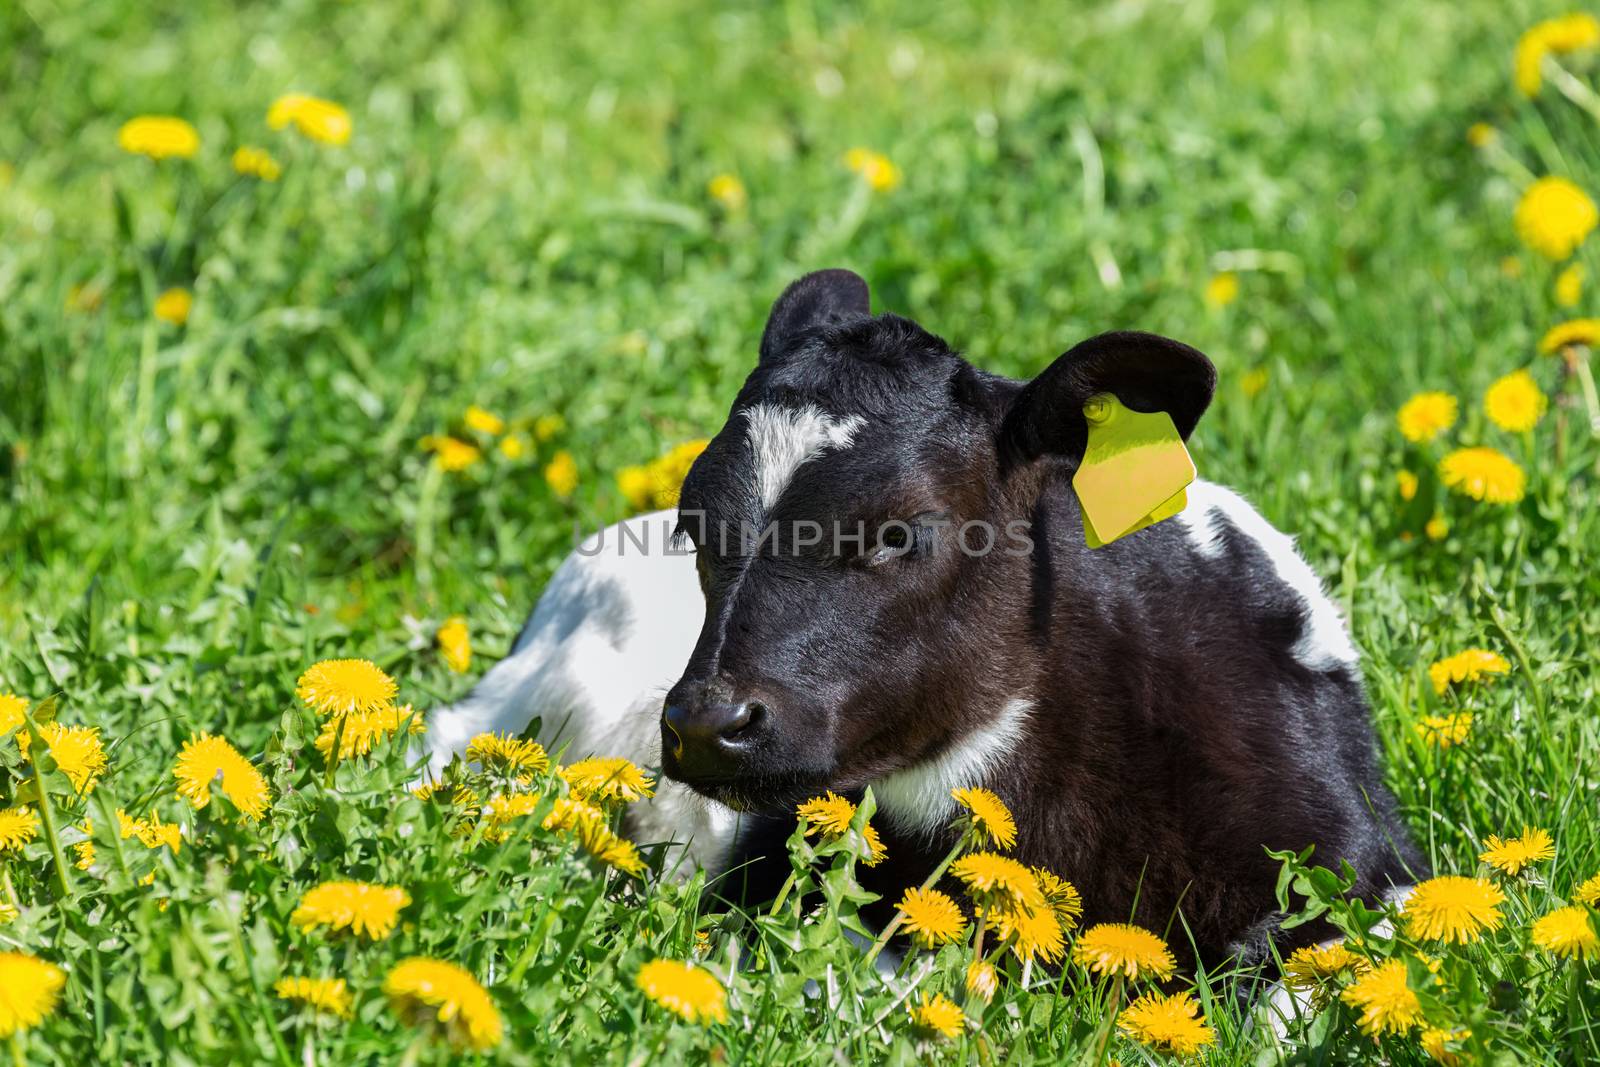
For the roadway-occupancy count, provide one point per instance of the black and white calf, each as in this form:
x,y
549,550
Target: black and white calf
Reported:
x,y
1155,711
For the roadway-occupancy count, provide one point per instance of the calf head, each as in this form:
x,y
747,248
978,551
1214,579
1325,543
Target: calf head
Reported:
x,y
862,531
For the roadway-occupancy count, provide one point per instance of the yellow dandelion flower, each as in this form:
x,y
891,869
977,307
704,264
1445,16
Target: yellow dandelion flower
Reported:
x,y
830,814
937,1015
460,798
513,446
561,474
204,759
328,995
546,427
1062,896
570,813
603,844
1443,731
1567,932
428,992
1519,853
1314,965
989,816
689,992
1483,474
483,421
1515,403
729,191
1386,1002
451,453
1031,933
702,943
1426,416
151,832
1453,908
1133,951
368,910
503,754
1168,1023
668,472
635,485
1000,881
85,848
358,732
340,686
1437,1042
1407,484
1482,135
876,852
18,826
1470,665
253,162
875,169
931,917
1254,382
1554,216
29,990
1436,528
1574,333
321,120
76,750
1568,289
1589,892
982,980
1222,289
11,709
455,644
506,807
159,137
173,306
608,778
1568,33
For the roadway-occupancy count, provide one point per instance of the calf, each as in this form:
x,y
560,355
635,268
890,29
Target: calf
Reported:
x,y
1155,711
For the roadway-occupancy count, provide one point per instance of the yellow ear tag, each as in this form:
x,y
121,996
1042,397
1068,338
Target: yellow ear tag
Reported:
x,y
1134,470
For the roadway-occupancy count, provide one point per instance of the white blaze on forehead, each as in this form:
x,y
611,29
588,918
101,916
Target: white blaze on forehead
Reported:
x,y
782,439
1325,644
918,799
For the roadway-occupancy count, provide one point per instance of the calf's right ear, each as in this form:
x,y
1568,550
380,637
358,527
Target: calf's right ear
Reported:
x,y
1145,371
821,298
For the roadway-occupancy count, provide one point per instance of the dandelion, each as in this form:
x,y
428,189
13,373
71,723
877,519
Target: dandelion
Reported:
x,y
689,992
546,427
253,162
360,731
603,844
461,798
1483,474
340,686
455,644
512,447
1314,965
876,852
982,980
1518,853
204,759
85,848
483,421
451,454
1453,908
11,713
1254,382
1122,948
173,306
1436,1041
321,120
1589,892
29,990
937,1015
830,814
1031,933
1567,932
1221,289
1386,1002
1554,216
18,826
1443,731
328,995
931,917
875,169
1169,1023
602,779
429,992
1426,416
570,813
76,750
1436,528
1000,882
506,807
729,191
1470,665
511,756
362,908
1573,333
151,832
988,815
1569,33
159,137
1515,403
1568,288
1482,135
561,474
1065,902
656,484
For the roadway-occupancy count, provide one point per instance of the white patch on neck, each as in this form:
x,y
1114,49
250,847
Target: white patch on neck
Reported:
x,y
1325,644
783,439
918,800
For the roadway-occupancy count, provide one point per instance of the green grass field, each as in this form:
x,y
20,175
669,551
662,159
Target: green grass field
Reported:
x,y
191,515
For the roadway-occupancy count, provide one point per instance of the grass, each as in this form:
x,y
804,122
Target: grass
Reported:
x,y
191,516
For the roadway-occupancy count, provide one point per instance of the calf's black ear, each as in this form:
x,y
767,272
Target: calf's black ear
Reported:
x,y
1145,371
821,298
